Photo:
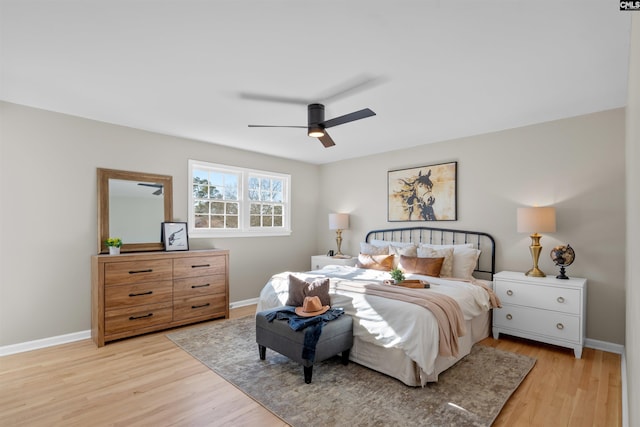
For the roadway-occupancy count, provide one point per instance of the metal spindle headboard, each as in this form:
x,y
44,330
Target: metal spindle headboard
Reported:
x,y
444,236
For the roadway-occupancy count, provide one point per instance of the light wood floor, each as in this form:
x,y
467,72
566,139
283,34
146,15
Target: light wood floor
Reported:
x,y
149,381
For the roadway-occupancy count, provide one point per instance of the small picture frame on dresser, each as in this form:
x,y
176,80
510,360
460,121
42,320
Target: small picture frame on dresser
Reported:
x,y
174,236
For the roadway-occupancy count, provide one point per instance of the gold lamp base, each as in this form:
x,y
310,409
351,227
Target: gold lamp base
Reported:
x,y
535,249
339,242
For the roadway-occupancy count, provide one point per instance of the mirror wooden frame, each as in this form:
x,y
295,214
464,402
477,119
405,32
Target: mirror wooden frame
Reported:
x,y
104,175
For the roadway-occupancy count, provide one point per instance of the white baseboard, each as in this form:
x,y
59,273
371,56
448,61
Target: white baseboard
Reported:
x,y
604,346
44,342
243,303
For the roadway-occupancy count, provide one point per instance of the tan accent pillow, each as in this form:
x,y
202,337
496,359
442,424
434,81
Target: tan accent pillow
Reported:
x,y
299,289
447,253
375,262
427,266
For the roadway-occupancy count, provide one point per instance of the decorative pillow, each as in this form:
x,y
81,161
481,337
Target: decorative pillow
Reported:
x,y
299,289
375,262
446,253
366,248
457,245
464,262
427,266
410,251
376,242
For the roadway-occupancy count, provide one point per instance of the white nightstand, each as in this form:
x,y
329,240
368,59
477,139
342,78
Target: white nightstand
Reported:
x,y
544,309
319,261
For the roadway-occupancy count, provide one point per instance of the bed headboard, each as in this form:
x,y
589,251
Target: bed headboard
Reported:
x,y
486,266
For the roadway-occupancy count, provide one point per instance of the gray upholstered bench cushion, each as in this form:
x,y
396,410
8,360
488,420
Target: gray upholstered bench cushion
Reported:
x,y
336,338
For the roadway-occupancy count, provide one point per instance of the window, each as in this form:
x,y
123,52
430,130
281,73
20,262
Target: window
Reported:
x,y
227,201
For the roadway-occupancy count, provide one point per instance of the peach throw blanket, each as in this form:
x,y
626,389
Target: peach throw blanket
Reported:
x,y
445,309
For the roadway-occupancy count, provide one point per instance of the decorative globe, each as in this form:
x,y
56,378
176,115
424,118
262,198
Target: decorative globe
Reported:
x,y
563,256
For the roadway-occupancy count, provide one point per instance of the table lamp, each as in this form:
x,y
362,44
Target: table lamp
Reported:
x,y
535,220
338,222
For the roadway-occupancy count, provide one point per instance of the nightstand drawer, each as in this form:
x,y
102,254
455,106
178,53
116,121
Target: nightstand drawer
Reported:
x,y
540,322
564,300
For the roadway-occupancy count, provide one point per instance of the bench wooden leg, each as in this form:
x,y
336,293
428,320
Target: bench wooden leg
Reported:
x,y
308,371
263,351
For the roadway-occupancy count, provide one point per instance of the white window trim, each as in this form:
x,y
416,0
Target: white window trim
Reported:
x,y
244,230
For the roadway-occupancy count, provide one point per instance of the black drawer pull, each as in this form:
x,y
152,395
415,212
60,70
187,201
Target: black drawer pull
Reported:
x,y
200,286
201,265
200,306
141,293
140,317
140,271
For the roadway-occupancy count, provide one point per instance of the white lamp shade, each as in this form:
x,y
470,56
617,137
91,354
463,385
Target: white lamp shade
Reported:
x,y
338,221
537,220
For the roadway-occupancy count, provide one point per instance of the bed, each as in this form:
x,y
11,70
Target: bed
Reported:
x,y
399,338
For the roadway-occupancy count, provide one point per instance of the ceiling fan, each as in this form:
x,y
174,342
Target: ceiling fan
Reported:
x,y
159,187
316,123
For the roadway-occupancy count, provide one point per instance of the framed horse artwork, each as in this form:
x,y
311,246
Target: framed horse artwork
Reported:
x,y
425,193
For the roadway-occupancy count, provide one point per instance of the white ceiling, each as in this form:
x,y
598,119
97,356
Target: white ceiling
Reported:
x,y
444,69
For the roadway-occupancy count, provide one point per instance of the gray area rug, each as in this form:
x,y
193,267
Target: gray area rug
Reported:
x,y
471,393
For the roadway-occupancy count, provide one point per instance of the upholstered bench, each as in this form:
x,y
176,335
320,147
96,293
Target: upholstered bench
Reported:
x,y
336,337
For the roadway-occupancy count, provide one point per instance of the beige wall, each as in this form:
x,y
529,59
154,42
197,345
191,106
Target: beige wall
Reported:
x,y
576,165
632,347
47,191
48,225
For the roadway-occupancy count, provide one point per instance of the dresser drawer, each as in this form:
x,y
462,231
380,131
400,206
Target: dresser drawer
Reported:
x,y
200,306
121,273
138,317
138,294
540,322
202,285
546,297
199,266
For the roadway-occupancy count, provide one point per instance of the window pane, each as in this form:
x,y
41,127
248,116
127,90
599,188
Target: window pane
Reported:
x,y
267,221
217,178
200,176
232,222
232,209
201,207
277,221
254,221
254,209
267,209
202,221
217,221
277,210
217,207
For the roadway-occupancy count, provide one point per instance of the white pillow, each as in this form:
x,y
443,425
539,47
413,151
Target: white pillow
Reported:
x,y
446,253
367,249
385,243
411,251
464,262
455,247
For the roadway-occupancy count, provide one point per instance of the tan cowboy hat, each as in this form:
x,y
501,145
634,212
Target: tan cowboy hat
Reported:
x,y
311,307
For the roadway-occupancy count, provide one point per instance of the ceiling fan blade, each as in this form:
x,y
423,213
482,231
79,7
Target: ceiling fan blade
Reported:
x,y
273,98
356,115
326,140
356,84
275,126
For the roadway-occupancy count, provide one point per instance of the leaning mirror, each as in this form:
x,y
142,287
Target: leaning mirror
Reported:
x,y
132,205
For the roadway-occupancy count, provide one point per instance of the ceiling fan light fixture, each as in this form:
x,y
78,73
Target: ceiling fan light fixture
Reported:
x,y
315,132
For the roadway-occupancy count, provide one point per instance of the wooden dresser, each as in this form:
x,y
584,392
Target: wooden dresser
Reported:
x,y
136,293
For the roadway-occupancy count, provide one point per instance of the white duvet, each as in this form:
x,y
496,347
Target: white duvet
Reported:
x,y
382,321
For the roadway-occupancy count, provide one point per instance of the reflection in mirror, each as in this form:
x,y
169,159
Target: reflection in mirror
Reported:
x,y
132,206
135,210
